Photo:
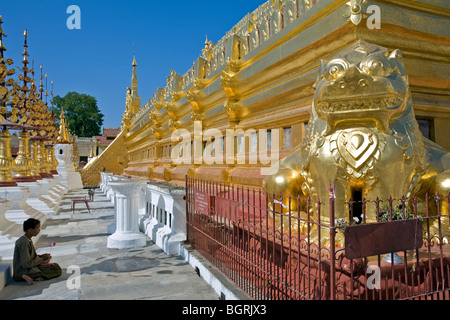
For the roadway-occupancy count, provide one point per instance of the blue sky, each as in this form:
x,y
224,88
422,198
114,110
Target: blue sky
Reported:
x,y
96,59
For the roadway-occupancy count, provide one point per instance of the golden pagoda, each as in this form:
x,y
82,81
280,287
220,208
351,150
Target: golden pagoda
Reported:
x,y
30,107
133,101
8,114
63,131
261,76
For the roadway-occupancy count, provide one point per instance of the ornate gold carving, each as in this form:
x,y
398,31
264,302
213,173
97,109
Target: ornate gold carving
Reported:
x,y
159,105
355,12
173,124
232,110
171,110
35,168
75,153
170,78
176,96
156,131
308,4
22,171
234,65
207,51
6,160
356,150
199,83
175,86
362,136
42,158
53,161
47,161
153,117
195,116
126,122
194,97
229,84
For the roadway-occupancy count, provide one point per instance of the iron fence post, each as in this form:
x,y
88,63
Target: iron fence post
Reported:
x,y
332,243
187,208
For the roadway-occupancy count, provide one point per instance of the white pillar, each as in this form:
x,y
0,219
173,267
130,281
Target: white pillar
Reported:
x,y
127,233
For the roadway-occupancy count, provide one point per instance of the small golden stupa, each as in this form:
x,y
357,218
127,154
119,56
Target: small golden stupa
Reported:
x,y
63,132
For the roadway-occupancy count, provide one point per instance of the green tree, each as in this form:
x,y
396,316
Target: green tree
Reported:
x,y
83,116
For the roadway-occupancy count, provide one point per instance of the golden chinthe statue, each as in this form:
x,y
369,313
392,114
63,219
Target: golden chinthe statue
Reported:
x,y
362,138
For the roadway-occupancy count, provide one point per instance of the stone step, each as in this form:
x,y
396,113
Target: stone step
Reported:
x,y
5,274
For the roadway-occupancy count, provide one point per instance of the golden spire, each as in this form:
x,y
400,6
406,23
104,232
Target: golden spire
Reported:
x,y
25,51
133,103
2,34
63,132
135,100
134,80
207,52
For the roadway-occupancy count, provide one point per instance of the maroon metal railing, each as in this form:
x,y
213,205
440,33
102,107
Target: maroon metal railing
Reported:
x,y
284,253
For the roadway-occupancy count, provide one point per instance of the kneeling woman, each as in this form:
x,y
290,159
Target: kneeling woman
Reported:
x,y
27,264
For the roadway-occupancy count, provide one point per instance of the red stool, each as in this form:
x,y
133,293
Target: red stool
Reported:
x,y
84,200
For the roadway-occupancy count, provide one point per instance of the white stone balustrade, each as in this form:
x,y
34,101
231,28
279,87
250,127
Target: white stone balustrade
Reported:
x,y
16,214
104,182
32,205
160,208
165,216
53,193
12,218
43,191
102,185
110,192
5,205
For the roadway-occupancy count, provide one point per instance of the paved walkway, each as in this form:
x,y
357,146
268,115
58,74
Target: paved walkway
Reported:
x,y
105,274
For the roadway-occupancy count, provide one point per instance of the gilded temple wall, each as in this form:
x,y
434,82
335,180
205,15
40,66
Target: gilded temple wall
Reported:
x,y
260,75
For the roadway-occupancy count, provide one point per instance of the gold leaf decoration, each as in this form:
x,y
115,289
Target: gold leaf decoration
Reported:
x,y
3,91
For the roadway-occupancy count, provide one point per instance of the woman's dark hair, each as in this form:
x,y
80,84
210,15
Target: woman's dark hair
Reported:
x,y
30,224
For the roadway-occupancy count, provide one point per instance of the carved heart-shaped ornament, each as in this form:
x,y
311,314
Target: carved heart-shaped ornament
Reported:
x,y
356,147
